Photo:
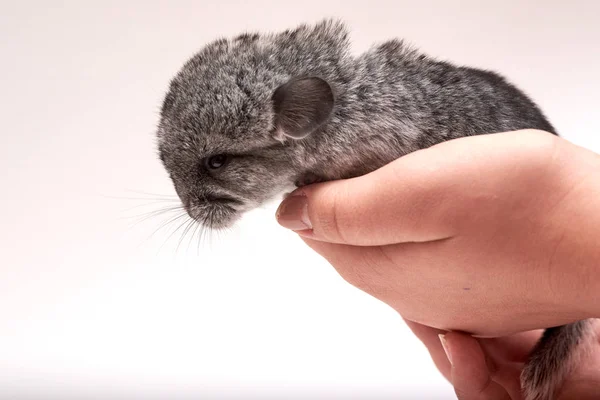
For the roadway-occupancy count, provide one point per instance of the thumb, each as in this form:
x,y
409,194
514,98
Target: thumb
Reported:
x,y
426,195
470,373
408,200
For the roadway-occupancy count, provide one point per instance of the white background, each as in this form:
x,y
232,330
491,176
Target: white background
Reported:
x,y
92,307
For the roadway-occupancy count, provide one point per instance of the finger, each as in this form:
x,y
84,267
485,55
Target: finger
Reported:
x,y
430,338
513,348
470,372
390,205
510,353
423,196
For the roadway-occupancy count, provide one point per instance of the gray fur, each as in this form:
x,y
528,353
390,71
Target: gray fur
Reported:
x,y
552,360
388,102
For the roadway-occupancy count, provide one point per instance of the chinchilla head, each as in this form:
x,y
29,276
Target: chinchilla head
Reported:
x,y
234,116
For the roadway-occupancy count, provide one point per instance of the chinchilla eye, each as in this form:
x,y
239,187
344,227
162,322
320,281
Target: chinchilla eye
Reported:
x,y
216,162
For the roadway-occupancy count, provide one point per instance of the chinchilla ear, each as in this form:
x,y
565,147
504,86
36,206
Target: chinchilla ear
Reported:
x,y
301,106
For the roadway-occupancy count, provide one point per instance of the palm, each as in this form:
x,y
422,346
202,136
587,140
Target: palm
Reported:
x,y
504,360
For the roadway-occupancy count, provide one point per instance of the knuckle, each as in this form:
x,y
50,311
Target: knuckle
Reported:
x,y
538,144
329,219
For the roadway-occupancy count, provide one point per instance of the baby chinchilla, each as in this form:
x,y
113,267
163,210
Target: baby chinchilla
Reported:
x,y
246,117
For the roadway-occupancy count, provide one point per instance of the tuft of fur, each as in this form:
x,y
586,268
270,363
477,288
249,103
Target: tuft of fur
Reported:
x,y
388,102
552,359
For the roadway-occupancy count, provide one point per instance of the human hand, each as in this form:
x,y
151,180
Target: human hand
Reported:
x,y
489,369
492,234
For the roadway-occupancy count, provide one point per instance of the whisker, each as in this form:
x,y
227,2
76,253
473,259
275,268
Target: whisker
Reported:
x,y
146,215
162,209
192,238
157,195
151,204
201,231
219,233
185,232
209,236
156,199
166,223
176,230
193,233
206,233
187,226
211,233
163,224
200,234
208,222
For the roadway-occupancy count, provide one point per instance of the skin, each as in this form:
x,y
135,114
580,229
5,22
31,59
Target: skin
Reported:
x,y
488,369
491,235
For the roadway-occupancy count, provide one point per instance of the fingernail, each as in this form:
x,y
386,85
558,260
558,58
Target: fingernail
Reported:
x,y
445,346
293,213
